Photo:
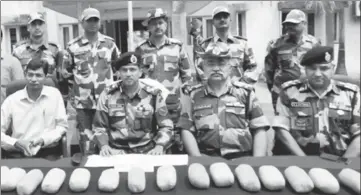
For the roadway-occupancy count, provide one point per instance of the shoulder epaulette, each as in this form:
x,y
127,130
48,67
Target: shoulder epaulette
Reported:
x,y
291,83
348,86
74,40
113,87
240,37
206,40
107,37
53,44
243,85
142,43
194,88
175,41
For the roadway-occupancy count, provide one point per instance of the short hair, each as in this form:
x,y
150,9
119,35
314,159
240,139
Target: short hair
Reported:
x,y
36,63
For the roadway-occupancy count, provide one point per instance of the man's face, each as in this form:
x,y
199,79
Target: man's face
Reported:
x,y
36,28
216,69
294,28
130,74
35,78
221,20
157,26
319,75
91,25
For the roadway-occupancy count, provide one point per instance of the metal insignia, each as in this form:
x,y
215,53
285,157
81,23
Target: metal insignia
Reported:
x,y
133,59
327,57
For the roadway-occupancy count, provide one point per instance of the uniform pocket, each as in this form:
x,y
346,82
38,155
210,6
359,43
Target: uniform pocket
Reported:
x,y
171,63
235,115
203,118
117,117
302,119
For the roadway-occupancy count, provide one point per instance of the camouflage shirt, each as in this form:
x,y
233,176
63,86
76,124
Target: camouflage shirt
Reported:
x,y
243,61
330,120
91,67
128,122
282,62
168,64
24,52
224,123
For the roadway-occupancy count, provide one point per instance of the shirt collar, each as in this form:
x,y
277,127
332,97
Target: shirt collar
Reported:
x,y
101,38
166,42
44,92
303,39
332,87
140,91
208,90
29,45
216,38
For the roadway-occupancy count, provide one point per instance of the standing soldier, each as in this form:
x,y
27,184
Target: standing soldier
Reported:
x,y
243,63
131,115
319,115
225,118
282,63
89,62
166,61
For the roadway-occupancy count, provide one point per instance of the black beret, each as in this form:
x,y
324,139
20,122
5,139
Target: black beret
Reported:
x,y
318,55
126,59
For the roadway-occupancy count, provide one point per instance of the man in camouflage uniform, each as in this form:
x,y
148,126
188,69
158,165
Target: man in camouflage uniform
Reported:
x,y
282,62
243,63
225,118
88,62
132,116
319,115
166,61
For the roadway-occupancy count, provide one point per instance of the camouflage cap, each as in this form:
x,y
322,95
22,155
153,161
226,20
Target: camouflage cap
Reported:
x,y
295,16
218,10
218,49
90,13
36,16
128,58
318,55
154,13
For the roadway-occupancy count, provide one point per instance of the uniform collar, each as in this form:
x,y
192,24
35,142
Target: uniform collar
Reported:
x,y
208,90
101,38
166,42
303,39
29,45
140,91
332,87
216,38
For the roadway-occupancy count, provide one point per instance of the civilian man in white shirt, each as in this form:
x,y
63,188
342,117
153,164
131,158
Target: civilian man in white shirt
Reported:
x,y
35,116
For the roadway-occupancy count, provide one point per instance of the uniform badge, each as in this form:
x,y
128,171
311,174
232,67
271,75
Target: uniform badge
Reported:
x,y
327,57
133,59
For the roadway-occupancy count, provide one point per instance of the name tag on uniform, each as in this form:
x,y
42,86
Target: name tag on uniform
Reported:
x,y
300,104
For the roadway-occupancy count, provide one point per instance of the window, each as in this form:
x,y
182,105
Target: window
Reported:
x,y
207,29
75,30
241,21
209,26
310,23
24,33
13,39
66,36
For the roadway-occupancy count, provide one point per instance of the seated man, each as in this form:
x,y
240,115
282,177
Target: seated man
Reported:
x,y
319,114
35,116
132,116
224,117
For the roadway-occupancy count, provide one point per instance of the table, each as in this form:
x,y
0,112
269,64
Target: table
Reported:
x,y
183,186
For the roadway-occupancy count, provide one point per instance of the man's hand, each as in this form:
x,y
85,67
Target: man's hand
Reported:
x,y
187,89
37,142
106,150
157,150
118,151
23,146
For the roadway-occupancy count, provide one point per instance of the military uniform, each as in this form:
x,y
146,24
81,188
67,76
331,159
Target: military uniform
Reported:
x,y
319,123
134,124
282,62
91,68
223,125
24,52
243,61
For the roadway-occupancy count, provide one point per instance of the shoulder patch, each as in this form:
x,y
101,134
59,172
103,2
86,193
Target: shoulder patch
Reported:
x,y
347,86
195,88
74,40
175,41
239,37
243,85
113,87
289,84
206,40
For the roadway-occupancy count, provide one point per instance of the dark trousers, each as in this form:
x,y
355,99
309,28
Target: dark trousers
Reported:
x,y
84,118
53,153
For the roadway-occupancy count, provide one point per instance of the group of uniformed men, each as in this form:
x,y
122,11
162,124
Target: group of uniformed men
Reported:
x,y
142,112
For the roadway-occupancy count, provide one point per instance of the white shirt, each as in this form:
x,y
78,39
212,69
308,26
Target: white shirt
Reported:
x,y
28,119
